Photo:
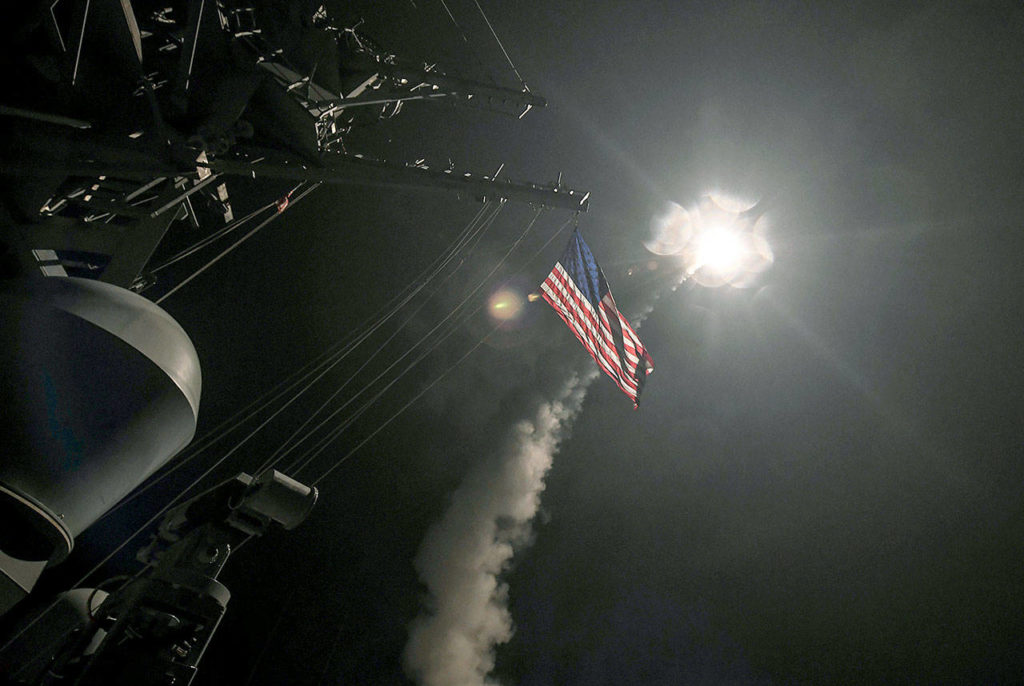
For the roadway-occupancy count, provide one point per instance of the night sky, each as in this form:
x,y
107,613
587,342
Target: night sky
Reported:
x,y
822,483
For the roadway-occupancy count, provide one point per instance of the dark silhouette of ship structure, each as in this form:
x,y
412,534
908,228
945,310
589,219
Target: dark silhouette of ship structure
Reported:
x,y
123,121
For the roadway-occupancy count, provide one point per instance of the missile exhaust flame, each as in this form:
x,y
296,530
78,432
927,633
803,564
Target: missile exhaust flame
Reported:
x,y
719,241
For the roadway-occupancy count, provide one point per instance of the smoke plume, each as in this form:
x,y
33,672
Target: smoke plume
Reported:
x,y
452,642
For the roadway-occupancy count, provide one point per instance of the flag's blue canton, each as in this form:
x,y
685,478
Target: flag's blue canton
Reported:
x,y
580,265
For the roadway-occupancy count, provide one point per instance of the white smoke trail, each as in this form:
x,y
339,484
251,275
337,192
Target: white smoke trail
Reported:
x,y
452,642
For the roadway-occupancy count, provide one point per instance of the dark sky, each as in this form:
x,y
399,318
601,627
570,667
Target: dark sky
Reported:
x,y
822,484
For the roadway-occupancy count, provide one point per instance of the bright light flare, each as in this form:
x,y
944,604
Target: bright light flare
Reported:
x,y
505,305
730,203
670,230
718,249
719,241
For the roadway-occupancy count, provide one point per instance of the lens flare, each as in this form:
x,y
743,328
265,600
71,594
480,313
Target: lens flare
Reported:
x,y
719,249
730,203
505,305
719,241
670,230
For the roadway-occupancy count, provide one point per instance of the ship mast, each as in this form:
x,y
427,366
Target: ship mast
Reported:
x,y
210,96
140,123
270,164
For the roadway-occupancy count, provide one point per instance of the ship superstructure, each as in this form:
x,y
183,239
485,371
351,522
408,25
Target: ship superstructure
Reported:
x,y
124,121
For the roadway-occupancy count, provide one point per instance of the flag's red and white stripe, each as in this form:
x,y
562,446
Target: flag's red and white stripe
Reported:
x,y
595,330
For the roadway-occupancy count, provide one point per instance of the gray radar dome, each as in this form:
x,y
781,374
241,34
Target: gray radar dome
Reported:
x,y
99,388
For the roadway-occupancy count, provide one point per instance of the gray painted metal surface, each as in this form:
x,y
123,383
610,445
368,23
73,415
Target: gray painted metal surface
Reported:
x,y
100,387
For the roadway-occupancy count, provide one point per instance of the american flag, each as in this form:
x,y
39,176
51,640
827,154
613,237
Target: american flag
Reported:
x,y
578,291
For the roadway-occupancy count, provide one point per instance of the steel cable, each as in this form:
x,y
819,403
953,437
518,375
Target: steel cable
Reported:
x,y
331,359
303,461
284,449
434,382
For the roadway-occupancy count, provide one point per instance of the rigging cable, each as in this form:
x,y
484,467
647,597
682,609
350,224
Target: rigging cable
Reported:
x,y
452,17
174,501
397,413
303,461
285,606
234,245
348,345
178,498
500,44
300,462
225,428
309,455
419,395
281,452
276,412
475,57
199,245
